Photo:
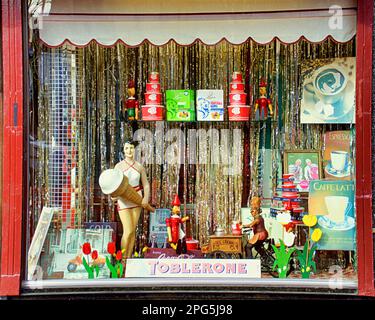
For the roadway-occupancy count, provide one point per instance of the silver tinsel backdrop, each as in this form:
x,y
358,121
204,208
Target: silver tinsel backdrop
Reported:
x,y
77,132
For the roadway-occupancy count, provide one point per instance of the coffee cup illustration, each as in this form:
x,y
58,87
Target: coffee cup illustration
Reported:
x,y
339,160
328,83
337,206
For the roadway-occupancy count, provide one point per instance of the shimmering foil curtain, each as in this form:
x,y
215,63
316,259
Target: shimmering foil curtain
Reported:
x,y
54,134
216,183
295,135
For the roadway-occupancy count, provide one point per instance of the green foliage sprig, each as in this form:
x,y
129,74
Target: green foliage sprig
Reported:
x,y
283,255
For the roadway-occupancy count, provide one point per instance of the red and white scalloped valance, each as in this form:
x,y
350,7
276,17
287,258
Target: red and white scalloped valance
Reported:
x,y
133,22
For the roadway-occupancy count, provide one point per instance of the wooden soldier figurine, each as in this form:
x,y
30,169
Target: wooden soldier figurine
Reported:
x,y
263,105
131,104
176,237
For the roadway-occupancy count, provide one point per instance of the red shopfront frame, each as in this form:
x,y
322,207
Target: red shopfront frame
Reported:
x,y
12,149
365,248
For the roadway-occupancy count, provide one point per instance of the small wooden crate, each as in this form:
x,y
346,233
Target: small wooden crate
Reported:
x,y
228,243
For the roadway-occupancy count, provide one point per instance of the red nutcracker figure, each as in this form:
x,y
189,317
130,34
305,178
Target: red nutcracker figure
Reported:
x,y
263,105
176,237
131,104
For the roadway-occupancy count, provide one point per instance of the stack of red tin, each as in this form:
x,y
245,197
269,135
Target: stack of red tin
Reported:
x,y
237,109
153,110
290,194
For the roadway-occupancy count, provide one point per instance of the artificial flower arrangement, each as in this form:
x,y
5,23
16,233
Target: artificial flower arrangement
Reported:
x,y
114,262
141,253
94,265
284,253
306,257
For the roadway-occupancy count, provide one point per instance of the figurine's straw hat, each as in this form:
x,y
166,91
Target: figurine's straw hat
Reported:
x,y
115,183
176,201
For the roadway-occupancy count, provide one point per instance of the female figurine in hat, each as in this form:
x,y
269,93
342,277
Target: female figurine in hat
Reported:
x,y
131,104
263,105
176,237
130,212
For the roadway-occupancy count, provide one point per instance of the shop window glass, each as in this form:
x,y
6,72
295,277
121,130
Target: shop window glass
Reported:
x,y
80,120
1,121
373,162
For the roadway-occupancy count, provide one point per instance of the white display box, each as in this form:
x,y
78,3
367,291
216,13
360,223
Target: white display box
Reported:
x,y
210,105
158,226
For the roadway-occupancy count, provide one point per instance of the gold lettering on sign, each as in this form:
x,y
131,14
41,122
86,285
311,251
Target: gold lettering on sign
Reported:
x,y
227,245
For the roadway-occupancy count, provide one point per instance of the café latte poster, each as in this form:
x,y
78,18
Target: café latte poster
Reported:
x,y
333,204
328,90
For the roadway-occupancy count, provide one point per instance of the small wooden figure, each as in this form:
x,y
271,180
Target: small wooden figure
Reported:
x,y
176,237
260,232
263,105
131,108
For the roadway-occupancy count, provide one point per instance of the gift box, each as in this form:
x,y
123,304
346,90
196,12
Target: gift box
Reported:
x,y
180,105
157,226
152,112
237,109
192,244
237,76
153,109
210,105
239,113
237,87
237,98
153,87
153,98
153,77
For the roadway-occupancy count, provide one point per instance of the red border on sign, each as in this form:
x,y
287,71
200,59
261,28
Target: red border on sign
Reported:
x,y
365,250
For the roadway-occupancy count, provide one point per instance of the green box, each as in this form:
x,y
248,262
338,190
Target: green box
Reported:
x,y
180,105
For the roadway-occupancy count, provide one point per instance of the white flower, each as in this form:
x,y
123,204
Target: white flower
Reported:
x,y
284,218
289,238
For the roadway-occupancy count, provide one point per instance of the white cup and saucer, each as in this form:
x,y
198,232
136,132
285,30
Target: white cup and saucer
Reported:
x,y
329,94
337,218
339,165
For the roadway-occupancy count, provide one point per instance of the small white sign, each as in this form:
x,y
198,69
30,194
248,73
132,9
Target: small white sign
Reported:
x,y
38,239
193,268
